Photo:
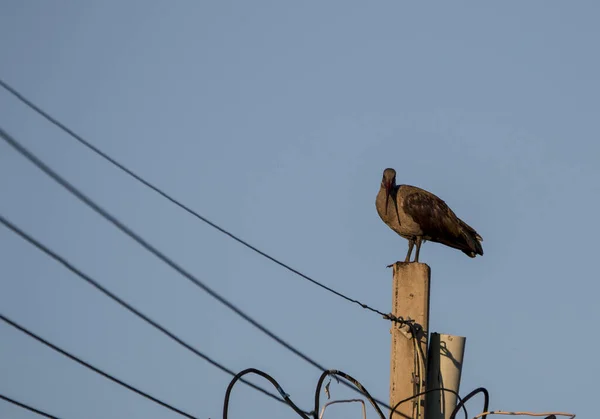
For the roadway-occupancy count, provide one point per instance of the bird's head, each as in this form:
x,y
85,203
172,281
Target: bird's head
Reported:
x,y
388,182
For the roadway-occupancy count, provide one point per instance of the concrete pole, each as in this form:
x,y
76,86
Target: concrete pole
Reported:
x,y
444,369
410,300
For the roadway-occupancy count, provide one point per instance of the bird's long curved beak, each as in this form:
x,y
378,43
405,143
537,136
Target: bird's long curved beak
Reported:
x,y
388,187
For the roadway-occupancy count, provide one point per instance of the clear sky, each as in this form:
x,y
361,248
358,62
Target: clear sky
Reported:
x,y
275,120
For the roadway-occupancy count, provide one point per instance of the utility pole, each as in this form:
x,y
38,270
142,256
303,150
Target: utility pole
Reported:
x,y
445,360
410,300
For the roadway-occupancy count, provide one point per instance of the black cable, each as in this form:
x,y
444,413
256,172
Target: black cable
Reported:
x,y
263,374
124,304
183,206
91,367
426,392
486,402
418,375
353,381
417,333
24,406
83,198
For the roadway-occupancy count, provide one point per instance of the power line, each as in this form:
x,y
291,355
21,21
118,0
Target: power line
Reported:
x,y
238,376
24,406
91,367
183,206
77,193
354,381
304,415
549,415
125,304
422,393
486,402
86,200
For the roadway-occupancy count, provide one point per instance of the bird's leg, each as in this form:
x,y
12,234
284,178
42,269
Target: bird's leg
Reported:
x,y
419,242
411,243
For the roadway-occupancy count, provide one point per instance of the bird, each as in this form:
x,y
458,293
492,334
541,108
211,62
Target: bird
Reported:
x,y
418,215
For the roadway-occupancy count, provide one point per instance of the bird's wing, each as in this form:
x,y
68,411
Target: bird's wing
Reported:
x,y
439,222
432,214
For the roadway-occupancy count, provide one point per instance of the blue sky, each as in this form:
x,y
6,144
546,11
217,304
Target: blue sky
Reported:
x,y
275,120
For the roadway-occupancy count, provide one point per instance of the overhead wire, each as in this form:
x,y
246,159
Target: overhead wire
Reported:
x,y
25,236
95,369
549,415
113,220
286,397
354,381
184,207
304,415
414,396
27,407
486,402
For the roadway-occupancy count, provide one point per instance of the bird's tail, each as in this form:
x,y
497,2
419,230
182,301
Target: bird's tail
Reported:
x,y
473,240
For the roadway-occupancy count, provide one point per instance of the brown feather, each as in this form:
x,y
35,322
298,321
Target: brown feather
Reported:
x,y
439,223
